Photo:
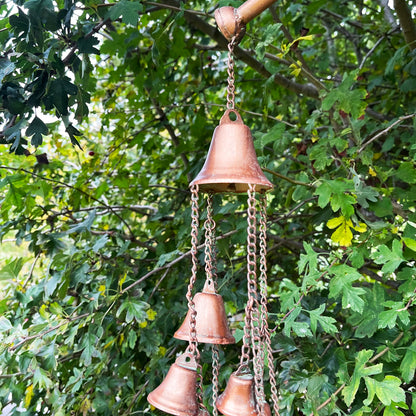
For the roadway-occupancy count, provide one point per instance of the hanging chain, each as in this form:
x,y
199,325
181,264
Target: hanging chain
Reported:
x,y
215,373
231,78
263,301
210,256
256,344
193,341
211,276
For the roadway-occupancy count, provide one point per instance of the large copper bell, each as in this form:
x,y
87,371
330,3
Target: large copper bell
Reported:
x,y
177,393
211,320
231,163
238,398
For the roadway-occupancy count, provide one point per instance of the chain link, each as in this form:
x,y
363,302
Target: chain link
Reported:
x,y
210,255
263,301
215,373
193,341
231,77
211,276
255,327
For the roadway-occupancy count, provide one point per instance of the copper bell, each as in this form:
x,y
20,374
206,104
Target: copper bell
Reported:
x,y
177,393
231,163
211,319
238,398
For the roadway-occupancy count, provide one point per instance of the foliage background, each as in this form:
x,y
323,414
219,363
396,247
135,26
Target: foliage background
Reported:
x,y
107,110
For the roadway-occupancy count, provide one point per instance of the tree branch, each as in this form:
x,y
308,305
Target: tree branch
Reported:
x,y
204,27
173,262
41,334
175,140
71,187
375,358
294,181
406,22
386,130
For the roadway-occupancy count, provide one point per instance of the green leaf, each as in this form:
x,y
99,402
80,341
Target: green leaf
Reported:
x,y
41,379
387,391
37,126
391,259
6,68
84,225
73,132
275,133
392,410
58,93
308,261
86,45
88,348
36,129
127,10
5,324
341,283
326,322
408,364
12,269
349,100
100,243
324,192
135,309
360,371
410,242
407,172
338,193
167,257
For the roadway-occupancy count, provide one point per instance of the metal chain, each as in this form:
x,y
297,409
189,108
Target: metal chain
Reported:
x,y
231,78
215,373
256,344
210,256
211,276
193,341
263,301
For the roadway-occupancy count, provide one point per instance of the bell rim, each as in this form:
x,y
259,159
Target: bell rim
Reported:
x,y
167,409
205,339
212,185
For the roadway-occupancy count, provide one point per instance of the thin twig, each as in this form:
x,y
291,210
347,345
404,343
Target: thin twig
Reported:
x,y
172,263
375,358
294,181
386,130
370,52
41,334
128,411
94,30
75,189
32,267
2,376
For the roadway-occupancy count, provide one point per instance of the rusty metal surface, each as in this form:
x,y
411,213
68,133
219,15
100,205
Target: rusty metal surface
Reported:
x,y
177,394
231,163
211,321
232,22
238,398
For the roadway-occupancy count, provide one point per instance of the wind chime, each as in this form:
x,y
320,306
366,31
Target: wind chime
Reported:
x,y
231,166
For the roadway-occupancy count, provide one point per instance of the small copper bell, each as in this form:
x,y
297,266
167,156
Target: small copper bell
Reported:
x,y
211,319
238,398
177,393
231,163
